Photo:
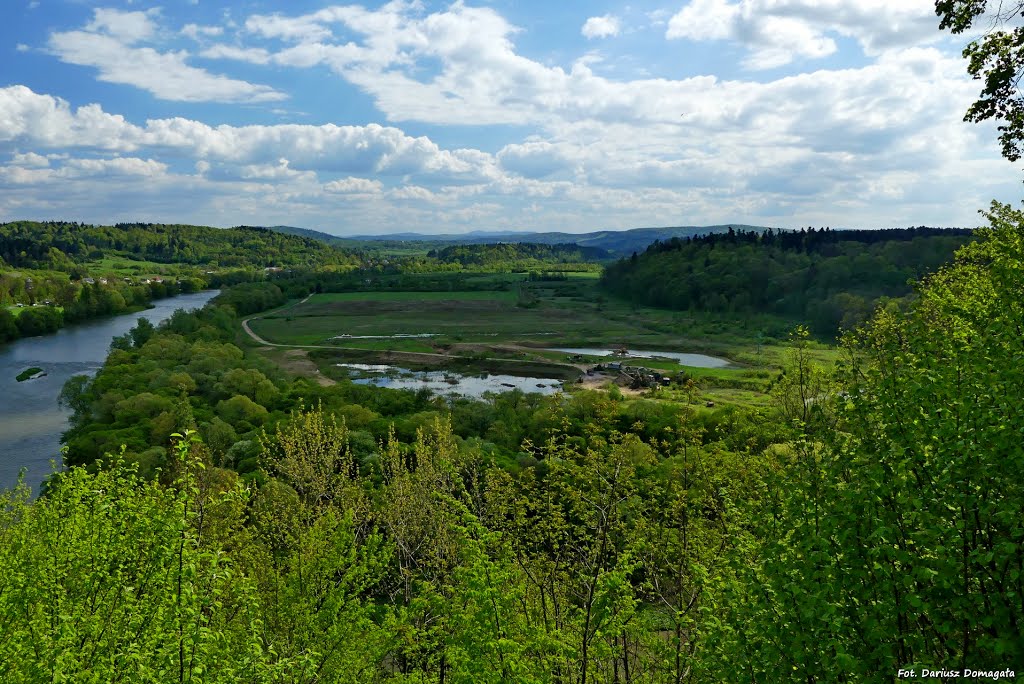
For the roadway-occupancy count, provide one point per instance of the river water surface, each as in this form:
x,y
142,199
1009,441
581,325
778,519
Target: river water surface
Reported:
x,y
31,423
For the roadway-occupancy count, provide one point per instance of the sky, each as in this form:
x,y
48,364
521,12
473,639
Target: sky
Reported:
x,y
491,115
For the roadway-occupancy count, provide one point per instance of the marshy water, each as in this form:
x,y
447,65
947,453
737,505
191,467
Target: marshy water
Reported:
x,y
693,360
447,382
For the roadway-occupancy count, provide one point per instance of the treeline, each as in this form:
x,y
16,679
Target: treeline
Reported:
x,y
518,255
63,245
808,239
827,279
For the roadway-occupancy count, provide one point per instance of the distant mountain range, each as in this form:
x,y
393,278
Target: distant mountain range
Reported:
x,y
617,242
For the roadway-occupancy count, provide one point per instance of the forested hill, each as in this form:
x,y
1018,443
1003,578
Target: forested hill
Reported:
x,y
61,245
828,279
519,252
312,235
617,242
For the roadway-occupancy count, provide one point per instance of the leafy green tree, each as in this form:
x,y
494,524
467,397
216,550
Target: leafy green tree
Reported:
x,y
805,392
110,578
249,383
142,332
996,59
311,454
314,574
40,320
8,326
241,410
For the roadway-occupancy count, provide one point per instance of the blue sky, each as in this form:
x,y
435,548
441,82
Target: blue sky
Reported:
x,y
500,115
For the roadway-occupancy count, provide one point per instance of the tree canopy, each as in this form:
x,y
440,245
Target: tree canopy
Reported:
x,y
826,279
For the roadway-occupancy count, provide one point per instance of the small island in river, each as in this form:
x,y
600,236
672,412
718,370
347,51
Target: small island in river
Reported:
x,y
30,374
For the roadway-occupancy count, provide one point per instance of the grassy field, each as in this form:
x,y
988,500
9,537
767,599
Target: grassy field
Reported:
x,y
16,310
404,296
571,313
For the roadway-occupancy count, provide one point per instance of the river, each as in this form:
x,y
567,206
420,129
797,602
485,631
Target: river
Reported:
x,y
31,422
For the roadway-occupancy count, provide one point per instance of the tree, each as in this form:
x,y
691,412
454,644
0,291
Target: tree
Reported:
x,y
997,59
75,396
310,453
8,325
897,536
39,321
805,391
141,333
110,578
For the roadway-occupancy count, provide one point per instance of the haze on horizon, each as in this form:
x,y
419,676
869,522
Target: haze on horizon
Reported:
x,y
453,117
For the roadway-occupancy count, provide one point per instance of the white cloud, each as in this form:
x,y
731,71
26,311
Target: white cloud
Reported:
x,y
119,166
50,123
273,172
779,31
307,28
601,27
358,186
415,192
535,159
78,169
251,55
19,175
195,31
108,44
30,160
127,27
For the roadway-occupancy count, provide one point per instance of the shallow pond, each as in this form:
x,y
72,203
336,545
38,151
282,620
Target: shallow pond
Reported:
x,y
447,382
693,360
